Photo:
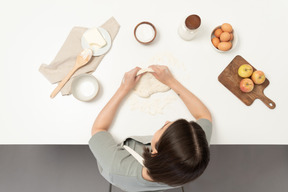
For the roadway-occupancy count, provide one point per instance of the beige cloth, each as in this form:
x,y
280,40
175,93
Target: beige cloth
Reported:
x,y
66,57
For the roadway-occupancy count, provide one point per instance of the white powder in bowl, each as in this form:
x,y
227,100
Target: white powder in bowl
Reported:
x,y
145,33
86,88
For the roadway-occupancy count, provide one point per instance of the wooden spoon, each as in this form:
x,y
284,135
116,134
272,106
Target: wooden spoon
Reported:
x,y
82,59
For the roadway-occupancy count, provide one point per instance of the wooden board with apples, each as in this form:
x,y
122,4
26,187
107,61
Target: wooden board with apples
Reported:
x,y
231,80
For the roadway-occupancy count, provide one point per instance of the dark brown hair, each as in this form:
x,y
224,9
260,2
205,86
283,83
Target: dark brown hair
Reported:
x,y
182,154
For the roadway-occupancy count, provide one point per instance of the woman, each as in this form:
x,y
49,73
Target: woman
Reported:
x,y
176,154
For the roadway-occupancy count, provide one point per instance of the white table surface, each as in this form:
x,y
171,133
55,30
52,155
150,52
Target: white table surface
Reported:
x,y
33,31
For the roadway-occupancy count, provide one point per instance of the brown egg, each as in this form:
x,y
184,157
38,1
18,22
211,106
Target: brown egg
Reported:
x,y
232,36
226,27
225,36
218,32
215,41
224,46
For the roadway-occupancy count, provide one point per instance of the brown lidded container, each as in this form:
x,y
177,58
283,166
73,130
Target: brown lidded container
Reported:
x,y
193,22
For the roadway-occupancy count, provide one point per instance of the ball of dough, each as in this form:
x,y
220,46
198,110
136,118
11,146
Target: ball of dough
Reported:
x,y
149,85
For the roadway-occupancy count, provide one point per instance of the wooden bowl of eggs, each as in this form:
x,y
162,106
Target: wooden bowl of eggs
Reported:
x,y
224,38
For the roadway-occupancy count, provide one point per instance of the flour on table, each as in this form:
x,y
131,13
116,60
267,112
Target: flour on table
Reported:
x,y
153,105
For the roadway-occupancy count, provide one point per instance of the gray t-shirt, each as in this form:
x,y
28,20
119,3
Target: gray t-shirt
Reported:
x,y
120,168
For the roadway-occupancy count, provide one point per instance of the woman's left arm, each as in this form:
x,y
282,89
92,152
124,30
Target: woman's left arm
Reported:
x,y
106,116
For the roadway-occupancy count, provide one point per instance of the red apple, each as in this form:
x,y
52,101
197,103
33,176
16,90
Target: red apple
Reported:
x,y
258,77
246,85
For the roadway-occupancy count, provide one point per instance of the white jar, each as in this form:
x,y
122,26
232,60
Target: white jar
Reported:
x,y
189,28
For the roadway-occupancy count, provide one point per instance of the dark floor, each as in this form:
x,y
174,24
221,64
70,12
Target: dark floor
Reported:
x,y
72,168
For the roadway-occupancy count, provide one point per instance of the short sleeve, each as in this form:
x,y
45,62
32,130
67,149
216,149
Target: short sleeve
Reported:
x,y
206,125
103,147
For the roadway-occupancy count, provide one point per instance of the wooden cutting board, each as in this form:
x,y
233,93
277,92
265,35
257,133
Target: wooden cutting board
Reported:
x,y
231,80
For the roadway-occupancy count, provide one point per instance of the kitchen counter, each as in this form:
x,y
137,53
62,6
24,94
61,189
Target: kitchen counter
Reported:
x,y
32,32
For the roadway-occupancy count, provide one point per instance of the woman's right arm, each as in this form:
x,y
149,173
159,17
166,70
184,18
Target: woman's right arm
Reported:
x,y
193,103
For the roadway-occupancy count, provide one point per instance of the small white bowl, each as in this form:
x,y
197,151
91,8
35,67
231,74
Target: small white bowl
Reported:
x,y
151,29
234,40
85,87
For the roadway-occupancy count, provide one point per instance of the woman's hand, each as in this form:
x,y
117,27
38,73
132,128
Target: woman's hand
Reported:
x,y
163,74
197,109
130,80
